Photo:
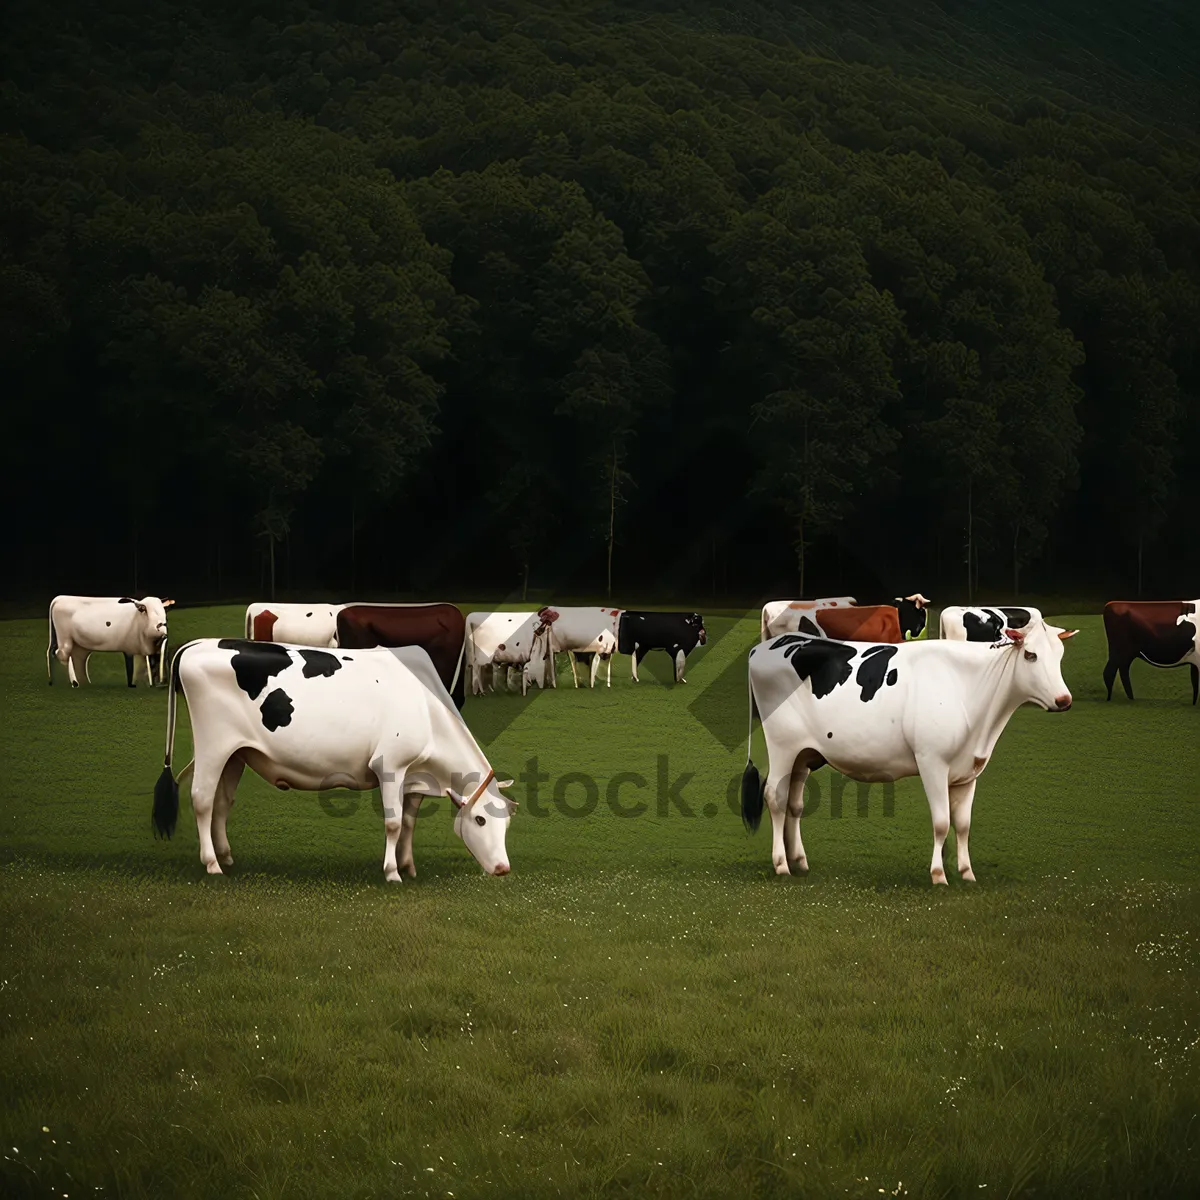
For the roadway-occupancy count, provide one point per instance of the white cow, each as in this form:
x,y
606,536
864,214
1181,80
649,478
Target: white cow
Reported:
x,y
505,639
293,624
784,616
578,631
878,712
82,625
311,719
959,624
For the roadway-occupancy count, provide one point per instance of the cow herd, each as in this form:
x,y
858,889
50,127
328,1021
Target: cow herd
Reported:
x,y
316,696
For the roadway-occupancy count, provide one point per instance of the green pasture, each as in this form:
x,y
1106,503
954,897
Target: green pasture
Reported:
x,y
641,1008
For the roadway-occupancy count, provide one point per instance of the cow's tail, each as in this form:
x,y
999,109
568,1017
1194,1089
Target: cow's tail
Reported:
x,y
51,646
166,790
752,784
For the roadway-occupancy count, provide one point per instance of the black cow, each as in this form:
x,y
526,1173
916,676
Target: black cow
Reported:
x,y
675,632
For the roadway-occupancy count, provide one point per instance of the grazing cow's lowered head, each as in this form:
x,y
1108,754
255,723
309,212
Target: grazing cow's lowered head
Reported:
x,y
1038,655
153,612
482,820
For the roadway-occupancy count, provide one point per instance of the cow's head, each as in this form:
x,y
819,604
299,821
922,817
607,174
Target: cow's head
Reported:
x,y
153,613
696,621
1038,653
913,612
482,818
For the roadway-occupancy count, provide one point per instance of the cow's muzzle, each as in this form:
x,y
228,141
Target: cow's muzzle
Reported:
x,y
1062,703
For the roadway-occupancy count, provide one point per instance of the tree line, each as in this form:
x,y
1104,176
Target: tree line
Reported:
x,y
598,296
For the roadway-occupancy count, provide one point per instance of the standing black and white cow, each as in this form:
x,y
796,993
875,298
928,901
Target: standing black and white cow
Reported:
x,y
959,624
878,713
80,626
678,633
314,719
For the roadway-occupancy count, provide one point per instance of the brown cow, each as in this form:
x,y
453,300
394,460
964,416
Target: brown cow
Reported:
x,y
438,629
862,623
1165,633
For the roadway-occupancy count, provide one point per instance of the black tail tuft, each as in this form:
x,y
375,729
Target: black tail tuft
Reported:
x,y
752,797
166,804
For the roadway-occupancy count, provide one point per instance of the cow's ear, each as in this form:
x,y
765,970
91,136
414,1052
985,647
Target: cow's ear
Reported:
x,y
455,798
140,607
167,603
1067,633
504,783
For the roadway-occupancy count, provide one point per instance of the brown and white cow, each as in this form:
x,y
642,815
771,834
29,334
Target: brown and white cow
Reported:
x,y
294,624
1164,633
437,628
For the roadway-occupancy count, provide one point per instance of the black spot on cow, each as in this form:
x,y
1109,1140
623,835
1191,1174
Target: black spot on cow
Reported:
x,y
127,600
809,626
1017,618
892,677
826,665
982,629
277,710
107,623
319,662
829,734
255,663
873,670
308,614
347,658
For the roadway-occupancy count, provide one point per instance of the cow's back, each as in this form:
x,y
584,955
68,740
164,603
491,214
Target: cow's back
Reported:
x,y
866,623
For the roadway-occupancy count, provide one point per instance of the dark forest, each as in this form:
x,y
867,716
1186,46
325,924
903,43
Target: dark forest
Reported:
x,y
424,297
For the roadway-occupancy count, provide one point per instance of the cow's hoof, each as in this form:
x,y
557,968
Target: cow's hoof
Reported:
x,y
74,682
800,866
938,876
392,876
214,867
781,868
967,876
226,860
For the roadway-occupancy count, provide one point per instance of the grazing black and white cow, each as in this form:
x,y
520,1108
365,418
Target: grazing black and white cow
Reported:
x,y
315,719
678,633
82,625
878,713
959,624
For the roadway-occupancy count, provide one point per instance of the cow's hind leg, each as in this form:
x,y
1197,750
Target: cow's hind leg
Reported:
x,y
77,666
777,794
936,781
1110,676
222,803
962,796
1195,681
1125,683
680,665
206,780
792,842
412,806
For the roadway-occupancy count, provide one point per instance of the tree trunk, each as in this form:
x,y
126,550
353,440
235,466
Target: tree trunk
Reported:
x,y
1016,564
800,549
1139,581
135,560
353,548
271,559
612,519
970,545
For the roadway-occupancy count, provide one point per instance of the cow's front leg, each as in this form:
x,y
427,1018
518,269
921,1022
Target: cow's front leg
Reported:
x,y
936,780
129,682
412,806
222,803
390,795
962,796
638,655
571,660
680,664
792,842
77,666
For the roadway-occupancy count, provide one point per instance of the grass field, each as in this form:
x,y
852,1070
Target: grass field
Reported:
x,y
641,1007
